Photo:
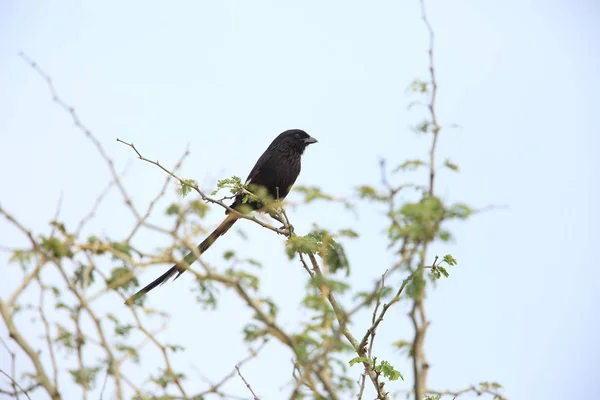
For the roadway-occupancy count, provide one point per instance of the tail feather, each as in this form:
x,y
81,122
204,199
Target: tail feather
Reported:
x,y
187,260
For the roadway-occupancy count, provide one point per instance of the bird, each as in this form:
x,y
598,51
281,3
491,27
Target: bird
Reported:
x,y
275,173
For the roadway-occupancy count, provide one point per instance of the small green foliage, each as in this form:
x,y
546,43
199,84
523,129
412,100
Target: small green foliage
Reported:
x,y
253,262
173,209
234,184
489,385
174,347
272,306
410,165
252,332
64,338
401,344
438,271
123,330
370,193
186,186
120,330
85,377
56,247
423,126
434,397
330,250
312,193
228,255
332,284
168,377
349,233
84,275
418,221
445,236
59,226
416,286
300,244
316,301
206,294
246,279
199,208
128,351
121,277
418,86
460,211
448,259
388,371
449,164
305,344
121,251
356,360
23,257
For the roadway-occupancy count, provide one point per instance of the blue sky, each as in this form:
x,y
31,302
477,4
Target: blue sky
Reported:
x,y
518,78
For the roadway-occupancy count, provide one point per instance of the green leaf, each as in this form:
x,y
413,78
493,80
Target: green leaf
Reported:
x,y
56,247
415,287
410,165
451,165
129,351
330,250
333,285
389,371
199,208
234,184
228,255
356,360
121,277
312,193
348,233
460,211
120,250
85,377
186,186
451,261
173,209
302,244
59,226
370,193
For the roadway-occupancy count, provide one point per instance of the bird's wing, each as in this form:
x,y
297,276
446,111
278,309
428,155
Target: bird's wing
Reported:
x,y
259,164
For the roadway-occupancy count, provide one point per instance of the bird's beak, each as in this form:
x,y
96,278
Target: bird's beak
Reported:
x,y
310,140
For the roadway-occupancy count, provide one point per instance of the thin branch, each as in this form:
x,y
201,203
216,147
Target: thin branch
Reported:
x,y
202,194
255,397
13,382
75,117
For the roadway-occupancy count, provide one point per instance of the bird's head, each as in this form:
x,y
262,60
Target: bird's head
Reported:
x,y
295,138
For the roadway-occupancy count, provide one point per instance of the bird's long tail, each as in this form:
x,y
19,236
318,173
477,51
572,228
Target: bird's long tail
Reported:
x,y
188,260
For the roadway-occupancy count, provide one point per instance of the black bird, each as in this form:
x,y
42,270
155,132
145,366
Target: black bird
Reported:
x,y
275,172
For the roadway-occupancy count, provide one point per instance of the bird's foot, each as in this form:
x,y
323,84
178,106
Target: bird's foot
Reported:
x,y
288,228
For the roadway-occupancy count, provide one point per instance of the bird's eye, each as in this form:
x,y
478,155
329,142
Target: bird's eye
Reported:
x,y
297,135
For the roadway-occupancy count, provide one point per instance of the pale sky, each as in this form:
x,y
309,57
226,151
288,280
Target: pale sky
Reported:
x,y
519,78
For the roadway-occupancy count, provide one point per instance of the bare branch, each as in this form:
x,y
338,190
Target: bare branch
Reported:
x,y
254,396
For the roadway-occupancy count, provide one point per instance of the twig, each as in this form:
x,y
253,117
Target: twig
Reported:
x,y
246,383
13,382
75,117
202,194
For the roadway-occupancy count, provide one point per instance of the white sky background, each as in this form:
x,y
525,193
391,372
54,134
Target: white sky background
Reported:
x,y
520,78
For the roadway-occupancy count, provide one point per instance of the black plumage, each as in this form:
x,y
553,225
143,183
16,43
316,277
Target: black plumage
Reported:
x,y
275,172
